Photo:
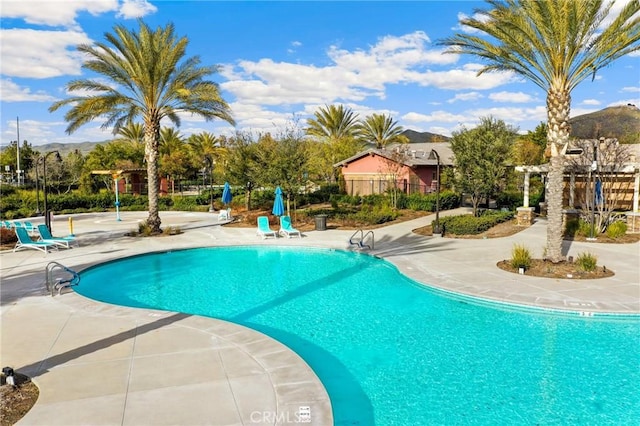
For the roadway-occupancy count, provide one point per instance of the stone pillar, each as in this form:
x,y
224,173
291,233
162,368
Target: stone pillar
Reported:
x,y
524,216
633,222
525,202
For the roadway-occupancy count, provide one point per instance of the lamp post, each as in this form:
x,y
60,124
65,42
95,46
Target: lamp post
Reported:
x,y
592,170
38,212
116,176
47,218
432,155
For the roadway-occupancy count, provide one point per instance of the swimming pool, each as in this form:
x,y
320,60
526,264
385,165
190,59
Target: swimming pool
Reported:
x,y
388,350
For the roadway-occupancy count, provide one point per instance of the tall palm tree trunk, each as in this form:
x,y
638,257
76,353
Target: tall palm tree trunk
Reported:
x,y
558,108
152,143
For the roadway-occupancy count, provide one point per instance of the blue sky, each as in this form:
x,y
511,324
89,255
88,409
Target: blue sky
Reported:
x,y
281,61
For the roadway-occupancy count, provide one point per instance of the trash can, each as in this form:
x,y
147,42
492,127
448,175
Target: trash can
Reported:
x,y
321,222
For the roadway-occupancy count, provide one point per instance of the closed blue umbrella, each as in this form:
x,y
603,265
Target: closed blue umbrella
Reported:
x,y
598,189
278,204
226,194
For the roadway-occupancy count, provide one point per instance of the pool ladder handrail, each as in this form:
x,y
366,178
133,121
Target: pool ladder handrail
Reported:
x,y
60,283
360,241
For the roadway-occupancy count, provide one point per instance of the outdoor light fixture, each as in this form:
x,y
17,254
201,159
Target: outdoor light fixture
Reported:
x,y
37,188
592,172
116,177
47,217
10,375
434,155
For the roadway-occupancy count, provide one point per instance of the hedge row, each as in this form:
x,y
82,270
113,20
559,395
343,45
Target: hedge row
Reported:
x,y
472,225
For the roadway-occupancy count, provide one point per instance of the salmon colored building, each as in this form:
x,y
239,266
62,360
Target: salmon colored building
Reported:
x,y
411,168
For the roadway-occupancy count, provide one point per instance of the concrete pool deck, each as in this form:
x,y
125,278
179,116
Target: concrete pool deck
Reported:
x,y
102,364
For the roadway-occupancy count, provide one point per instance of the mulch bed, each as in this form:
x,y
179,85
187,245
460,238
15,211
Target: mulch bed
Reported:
x,y
16,401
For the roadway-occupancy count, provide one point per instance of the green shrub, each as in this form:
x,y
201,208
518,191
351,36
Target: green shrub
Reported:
x,y
185,203
144,228
509,200
587,262
7,236
520,257
585,228
571,227
376,215
470,225
617,229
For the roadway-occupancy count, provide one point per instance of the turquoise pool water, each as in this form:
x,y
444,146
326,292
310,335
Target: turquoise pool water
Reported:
x,y
388,350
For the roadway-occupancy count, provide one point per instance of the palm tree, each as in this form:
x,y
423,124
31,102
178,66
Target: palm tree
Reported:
x,y
382,130
336,127
148,77
333,123
555,44
132,132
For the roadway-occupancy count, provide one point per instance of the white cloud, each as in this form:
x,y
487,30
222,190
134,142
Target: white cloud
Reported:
x,y
353,76
11,92
591,102
463,79
46,132
631,89
40,54
466,29
131,9
511,115
55,13
515,97
466,97
437,116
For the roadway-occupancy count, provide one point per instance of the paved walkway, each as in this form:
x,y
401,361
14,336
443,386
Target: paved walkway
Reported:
x,y
101,364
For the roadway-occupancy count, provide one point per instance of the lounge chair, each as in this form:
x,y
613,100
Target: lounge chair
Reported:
x,y
224,215
263,228
287,229
24,241
33,231
45,235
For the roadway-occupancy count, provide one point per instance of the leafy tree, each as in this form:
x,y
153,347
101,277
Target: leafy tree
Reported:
x,y
381,130
555,44
243,167
148,77
284,161
529,148
9,157
480,158
611,157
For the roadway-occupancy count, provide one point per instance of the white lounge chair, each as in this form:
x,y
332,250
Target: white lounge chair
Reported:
x,y
263,228
224,215
24,241
287,229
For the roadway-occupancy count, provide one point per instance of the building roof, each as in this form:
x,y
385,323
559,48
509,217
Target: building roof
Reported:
x,y
413,154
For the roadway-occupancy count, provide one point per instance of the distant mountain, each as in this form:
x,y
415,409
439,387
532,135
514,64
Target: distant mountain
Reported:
x,y
424,137
66,148
621,122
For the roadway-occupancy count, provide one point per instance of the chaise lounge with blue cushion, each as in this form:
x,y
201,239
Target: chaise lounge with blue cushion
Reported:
x,y
286,228
45,235
263,228
24,241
